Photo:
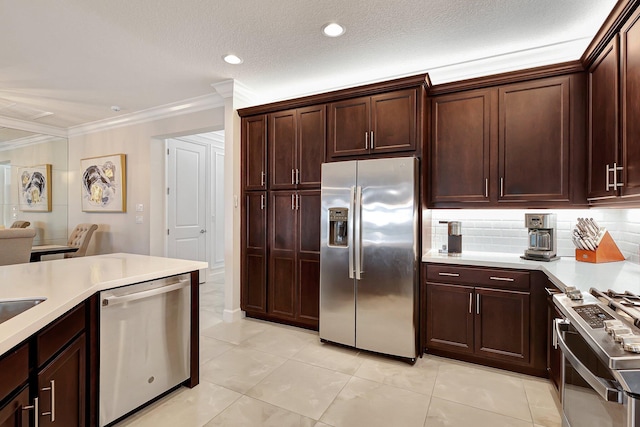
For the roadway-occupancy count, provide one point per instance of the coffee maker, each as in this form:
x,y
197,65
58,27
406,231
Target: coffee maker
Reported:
x,y
543,242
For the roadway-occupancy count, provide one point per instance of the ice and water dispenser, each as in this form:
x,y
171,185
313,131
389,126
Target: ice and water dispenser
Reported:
x,y
338,226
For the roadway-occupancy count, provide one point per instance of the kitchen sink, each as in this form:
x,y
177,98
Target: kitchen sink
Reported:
x,y
13,307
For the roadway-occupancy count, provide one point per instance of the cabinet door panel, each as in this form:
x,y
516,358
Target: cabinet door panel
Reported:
x,y
311,145
393,121
534,141
309,221
449,318
502,325
254,283
254,141
630,47
282,254
603,120
309,289
348,124
12,415
282,149
68,371
460,147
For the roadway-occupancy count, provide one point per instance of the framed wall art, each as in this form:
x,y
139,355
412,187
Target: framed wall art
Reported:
x,y
103,183
35,188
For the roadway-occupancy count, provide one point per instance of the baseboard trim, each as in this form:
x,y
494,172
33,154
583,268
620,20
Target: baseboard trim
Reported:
x,y
232,315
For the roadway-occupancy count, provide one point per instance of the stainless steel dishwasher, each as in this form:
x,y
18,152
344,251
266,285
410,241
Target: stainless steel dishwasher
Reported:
x,y
144,343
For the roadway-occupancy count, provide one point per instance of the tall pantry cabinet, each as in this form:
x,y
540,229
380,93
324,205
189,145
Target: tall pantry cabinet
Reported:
x,y
281,213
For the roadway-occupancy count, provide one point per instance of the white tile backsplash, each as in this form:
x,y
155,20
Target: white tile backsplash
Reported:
x,y
503,231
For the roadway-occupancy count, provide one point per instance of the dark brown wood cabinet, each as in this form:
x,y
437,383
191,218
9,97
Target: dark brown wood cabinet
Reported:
x,y
62,383
294,256
254,269
254,151
296,147
383,123
513,145
502,324
460,141
614,129
485,315
603,121
50,368
533,141
12,413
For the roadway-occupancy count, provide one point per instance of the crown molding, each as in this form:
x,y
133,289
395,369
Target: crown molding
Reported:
x,y
34,127
186,106
31,140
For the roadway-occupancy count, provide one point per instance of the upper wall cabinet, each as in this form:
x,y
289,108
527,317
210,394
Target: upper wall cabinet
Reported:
x,y
460,140
254,151
514,145
367,125
614,128
296,147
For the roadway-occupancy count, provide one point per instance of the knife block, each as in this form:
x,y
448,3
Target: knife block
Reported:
x,y
607,251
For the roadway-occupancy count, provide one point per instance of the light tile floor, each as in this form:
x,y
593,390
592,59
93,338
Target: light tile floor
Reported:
x,y
255,373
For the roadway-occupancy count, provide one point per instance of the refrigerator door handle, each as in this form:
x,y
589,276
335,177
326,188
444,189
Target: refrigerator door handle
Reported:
x,y
350,229
357,241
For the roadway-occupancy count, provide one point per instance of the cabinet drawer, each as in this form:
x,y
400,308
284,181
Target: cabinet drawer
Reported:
x,y
490,277
51,339
14,370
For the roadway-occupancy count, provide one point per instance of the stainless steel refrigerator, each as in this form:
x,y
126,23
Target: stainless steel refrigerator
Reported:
x,y
369,255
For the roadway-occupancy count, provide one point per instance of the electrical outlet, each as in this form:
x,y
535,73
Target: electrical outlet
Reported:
x,y
139,219
139,207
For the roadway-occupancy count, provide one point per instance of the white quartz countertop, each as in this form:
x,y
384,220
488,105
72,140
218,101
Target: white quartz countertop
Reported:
x,y
619,276
67,282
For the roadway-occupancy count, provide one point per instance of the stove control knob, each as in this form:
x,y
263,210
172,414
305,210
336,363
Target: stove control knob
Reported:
x,y
610,324
619,332
631,343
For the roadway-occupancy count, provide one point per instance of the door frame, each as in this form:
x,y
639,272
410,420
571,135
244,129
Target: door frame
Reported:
x,y
208,140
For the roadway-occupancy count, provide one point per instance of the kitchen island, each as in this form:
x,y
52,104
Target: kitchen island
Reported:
x,y
50,352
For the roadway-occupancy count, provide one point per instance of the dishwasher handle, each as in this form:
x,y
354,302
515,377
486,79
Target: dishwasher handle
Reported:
x,y
113,300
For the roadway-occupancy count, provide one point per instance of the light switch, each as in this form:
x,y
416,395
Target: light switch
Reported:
x,y
139,219
139,207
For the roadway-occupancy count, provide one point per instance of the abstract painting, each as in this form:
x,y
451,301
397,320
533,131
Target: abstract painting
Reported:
x,y
35,188
103,184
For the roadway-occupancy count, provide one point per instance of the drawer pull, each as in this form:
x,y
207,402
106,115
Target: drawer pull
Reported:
x,y
552,291
502,279
35,411
449,274
470,301
52,389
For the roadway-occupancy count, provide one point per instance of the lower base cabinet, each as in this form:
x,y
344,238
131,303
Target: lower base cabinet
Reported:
x,y
46,377
485,315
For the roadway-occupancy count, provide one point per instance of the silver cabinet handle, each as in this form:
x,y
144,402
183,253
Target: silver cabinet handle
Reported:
x,y
605,388
263,178
607,172
297,176
502,279
501,187
262,202
52,412
551,291
36,411
615,183
372,140
449,274
486,187
297,202
477,303
470,301
293,176
293,203
366,140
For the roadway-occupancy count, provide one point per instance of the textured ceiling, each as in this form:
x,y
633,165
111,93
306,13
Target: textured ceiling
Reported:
x,y
76,58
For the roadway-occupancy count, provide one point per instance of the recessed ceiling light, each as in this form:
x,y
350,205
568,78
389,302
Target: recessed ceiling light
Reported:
x,y
333,30
232,59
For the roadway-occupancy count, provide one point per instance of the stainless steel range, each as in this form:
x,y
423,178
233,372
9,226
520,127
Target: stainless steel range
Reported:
x,y
600,342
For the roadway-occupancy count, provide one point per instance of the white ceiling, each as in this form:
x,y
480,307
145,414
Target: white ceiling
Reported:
x,y
75,59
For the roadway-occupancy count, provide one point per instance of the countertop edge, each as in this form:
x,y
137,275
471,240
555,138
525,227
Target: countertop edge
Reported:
x,y
19,328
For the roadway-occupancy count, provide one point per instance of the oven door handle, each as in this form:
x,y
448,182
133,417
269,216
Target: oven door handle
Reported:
x,y
606,389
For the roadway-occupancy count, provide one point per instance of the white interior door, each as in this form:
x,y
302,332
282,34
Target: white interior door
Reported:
x,y
186,200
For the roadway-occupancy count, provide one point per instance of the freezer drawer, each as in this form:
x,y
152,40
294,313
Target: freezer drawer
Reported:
x,y
144,343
